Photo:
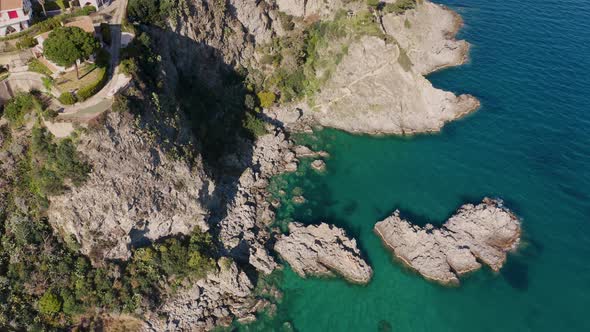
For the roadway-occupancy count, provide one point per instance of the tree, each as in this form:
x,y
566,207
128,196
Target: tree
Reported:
x,y
49,304
66,45
42,3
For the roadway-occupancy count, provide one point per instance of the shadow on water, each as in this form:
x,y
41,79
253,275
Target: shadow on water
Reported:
x,y
516,269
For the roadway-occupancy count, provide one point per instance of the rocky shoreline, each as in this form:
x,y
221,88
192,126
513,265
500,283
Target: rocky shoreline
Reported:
x,y
138,192
474,235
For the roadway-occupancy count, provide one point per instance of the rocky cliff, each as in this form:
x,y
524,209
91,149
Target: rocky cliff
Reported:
x,y
475,233
136,193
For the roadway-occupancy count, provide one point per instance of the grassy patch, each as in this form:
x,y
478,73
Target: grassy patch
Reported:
x,y
36,66
89,73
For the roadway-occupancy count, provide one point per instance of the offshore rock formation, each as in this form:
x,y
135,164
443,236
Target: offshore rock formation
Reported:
x,y
379,87
135,192
323,250
476,233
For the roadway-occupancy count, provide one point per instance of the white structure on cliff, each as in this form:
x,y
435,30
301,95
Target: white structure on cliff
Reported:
x,y
96,3
14,16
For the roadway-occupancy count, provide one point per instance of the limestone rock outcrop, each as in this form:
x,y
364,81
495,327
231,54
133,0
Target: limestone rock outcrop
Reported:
x,y
381,94
379,86
134,193
323,250
475,233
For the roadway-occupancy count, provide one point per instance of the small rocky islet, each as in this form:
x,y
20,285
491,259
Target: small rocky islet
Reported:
x,y
474,235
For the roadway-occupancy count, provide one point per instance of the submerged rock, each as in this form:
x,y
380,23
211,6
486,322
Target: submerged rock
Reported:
x,y
476,233
319,165
323,250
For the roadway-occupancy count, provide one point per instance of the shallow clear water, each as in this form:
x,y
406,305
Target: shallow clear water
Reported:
x,y
529,144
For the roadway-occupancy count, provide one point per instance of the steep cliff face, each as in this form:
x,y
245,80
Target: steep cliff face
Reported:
x,y
136,193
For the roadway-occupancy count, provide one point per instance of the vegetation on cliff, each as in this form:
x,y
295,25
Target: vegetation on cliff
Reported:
x,y
45,283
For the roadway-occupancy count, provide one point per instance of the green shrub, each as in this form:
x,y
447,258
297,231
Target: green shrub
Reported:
x,y
19,106
87,10
67,98
399,6
120,104
49,304
286,21
254,126
26,42
90,90
61,4
266,99
105,31
38,67
128,67
47,82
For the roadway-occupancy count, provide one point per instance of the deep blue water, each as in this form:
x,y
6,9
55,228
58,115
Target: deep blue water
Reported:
x,y
529,144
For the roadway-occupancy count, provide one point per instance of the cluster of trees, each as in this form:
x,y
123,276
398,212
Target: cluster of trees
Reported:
x,y
66,45
154,12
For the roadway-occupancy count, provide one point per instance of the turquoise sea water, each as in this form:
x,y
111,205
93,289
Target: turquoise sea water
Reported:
x,y
529,144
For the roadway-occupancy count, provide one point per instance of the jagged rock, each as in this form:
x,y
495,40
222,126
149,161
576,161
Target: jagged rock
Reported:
x,y
483,232
261,260
135,192
298,199
254,16
302,151
323,250
246,208
319,165
213,301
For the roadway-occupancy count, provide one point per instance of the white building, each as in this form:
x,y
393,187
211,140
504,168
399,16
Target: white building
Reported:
x,y
14,16
96,3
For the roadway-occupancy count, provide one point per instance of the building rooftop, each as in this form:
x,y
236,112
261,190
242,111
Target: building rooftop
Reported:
x,y
10,4
82,22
